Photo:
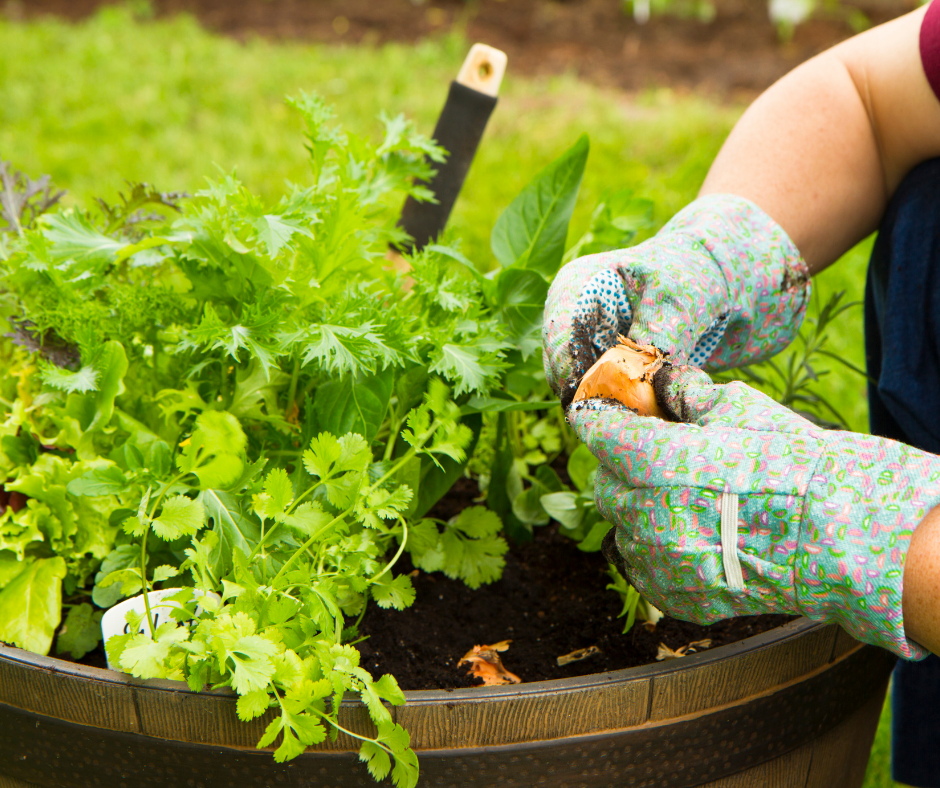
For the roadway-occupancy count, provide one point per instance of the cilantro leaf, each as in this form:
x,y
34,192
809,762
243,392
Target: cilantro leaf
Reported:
x,y
478,521
376,759
481,561
253,704
383,504
180,516
277,496
146,657
240,650
405,772
387,688
329,456
397,593
470,549
307,519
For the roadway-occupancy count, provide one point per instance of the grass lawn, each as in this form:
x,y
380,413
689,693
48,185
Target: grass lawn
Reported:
x,y
115,99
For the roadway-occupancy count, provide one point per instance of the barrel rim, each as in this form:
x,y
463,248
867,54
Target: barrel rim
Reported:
x,y
772,637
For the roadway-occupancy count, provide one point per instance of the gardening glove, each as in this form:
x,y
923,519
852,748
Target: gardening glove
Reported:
x,y
749,508
719,286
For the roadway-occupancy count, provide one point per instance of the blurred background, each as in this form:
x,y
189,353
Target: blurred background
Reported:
x,y
171,91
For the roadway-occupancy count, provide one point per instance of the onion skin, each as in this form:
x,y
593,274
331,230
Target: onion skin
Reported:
x,y
625,373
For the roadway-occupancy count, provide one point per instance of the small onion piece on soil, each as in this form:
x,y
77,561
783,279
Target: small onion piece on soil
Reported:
x,y
625,373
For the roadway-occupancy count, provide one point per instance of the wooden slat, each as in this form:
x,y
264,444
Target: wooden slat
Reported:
x,y
212,719
66,697
722,681
465,718
840,757
532,716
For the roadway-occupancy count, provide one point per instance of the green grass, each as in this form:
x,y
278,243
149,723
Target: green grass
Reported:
x,y
114,99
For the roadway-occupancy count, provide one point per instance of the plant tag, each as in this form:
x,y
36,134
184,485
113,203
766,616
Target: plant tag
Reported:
x,y
114,621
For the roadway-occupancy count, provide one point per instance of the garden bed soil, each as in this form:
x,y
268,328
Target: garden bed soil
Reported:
x,y
738,51
550,601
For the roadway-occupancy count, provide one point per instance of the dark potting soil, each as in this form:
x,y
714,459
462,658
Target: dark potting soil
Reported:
x,y
550,601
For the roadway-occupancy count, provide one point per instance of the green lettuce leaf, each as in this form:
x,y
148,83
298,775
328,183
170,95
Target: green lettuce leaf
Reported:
x,y
31,605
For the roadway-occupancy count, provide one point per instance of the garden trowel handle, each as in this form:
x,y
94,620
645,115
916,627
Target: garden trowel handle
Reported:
x,y
459,130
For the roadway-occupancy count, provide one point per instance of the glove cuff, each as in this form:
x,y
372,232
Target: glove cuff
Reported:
x,y
865,499
768,281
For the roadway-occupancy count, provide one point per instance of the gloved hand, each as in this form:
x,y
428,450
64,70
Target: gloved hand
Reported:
x,y
751,509
719,286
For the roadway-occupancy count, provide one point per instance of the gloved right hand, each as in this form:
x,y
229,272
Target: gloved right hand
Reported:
x,y
719,286
748,508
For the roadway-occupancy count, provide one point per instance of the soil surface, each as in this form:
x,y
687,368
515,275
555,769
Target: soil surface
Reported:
x,y
738,52
551,601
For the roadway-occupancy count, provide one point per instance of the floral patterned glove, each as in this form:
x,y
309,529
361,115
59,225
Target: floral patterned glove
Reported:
x,y
719,286
749,508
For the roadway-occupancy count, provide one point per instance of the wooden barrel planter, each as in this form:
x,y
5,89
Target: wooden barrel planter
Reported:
x,y
795,706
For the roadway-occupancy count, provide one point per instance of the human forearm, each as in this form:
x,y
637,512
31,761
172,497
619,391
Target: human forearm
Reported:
x,y
824,148
921,596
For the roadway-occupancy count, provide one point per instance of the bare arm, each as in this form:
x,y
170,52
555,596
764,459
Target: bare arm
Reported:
x,y
921,599
823,149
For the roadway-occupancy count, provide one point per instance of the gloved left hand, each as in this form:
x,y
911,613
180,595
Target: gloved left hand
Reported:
x,y
748,508
719,286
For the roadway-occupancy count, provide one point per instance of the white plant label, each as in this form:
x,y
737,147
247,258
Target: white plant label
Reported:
x,y
114,621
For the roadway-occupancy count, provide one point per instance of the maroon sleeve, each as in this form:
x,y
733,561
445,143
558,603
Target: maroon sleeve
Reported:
x,y
930,46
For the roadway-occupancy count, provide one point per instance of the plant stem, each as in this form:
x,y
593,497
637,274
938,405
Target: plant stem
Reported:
x,y
392,440
223,386
339,727
303,548
405,458
143,581
143,551
266,535
292,391
401,549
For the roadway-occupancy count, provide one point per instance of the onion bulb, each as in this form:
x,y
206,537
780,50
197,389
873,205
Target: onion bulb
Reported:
x,y
625,373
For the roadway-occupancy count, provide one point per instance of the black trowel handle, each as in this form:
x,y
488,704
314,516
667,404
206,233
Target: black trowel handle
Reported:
x,y
459,130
